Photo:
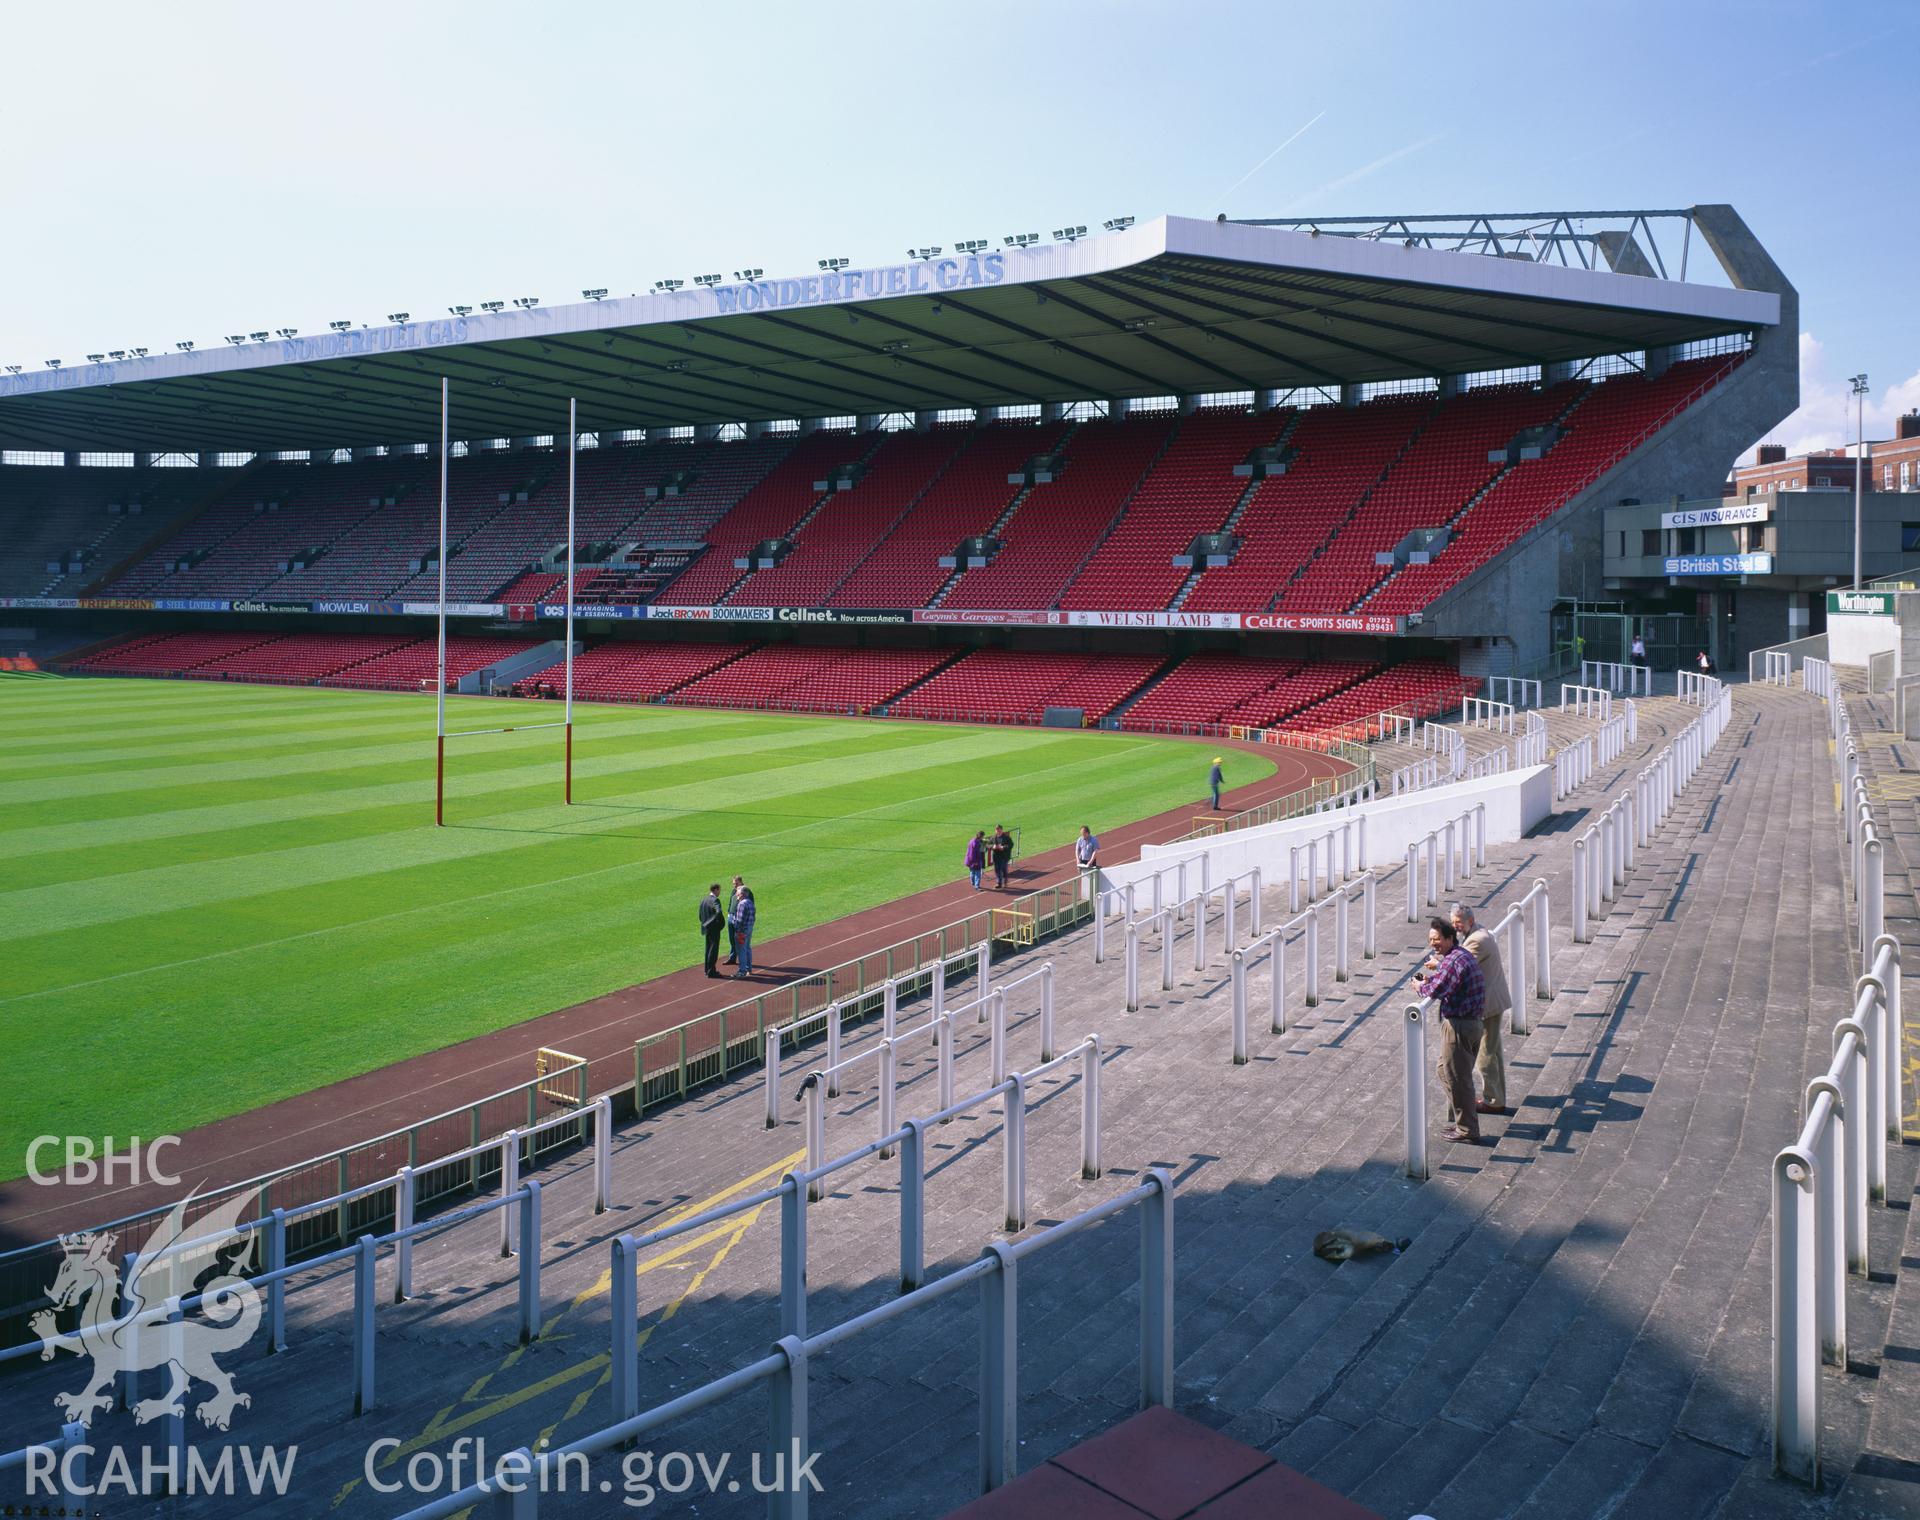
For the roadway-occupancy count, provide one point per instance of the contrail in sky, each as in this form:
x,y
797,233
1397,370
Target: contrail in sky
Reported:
x,y
1365,169
1264,162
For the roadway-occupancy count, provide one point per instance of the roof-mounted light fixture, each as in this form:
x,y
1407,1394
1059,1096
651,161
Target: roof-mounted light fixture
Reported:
x,y
747,275
898,345
706,279
116,353
340,325
13,369
53,364
1117,223
260,337
970,245
100,358
236,339
288,332
490,307
1069,234
526,303
1021,239
834,266
1141,324
598,293
185,345
399,318
139,353
667,286
459,311
923,254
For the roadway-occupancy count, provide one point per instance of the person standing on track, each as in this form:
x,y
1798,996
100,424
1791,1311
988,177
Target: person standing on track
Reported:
x,y
733,933
741,918
713,914
1000,847
976,857
1216,778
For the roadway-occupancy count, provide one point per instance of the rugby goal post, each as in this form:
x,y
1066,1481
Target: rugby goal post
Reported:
x,y
441,735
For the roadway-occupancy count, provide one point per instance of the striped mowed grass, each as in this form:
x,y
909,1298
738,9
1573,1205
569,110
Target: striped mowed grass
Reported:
x,y
214,895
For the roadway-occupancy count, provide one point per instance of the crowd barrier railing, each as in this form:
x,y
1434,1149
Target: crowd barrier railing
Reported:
x,y
1633,680
1586,701
1530,748
1612,740
1573,766
1817,676
1416,777
1495,762
1695,688
1328,859
1483,712
1518,691
1273,944
521,1476
1451,850
1823,1186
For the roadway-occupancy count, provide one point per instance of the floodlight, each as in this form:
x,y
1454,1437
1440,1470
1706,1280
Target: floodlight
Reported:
x,y
139,353
526,303
185,345
894,347
677,366
491,306
102,358
668,285
288,332
598,293
236,339
399,318
1021,239
745,275
460,311
1069,234
970,245
339,326
706,279
115,354
834,266
924,253
259,337
53,364
1118,223
1141,324
13,369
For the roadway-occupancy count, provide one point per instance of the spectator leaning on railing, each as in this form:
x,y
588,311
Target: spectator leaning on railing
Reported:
x,y
1455,984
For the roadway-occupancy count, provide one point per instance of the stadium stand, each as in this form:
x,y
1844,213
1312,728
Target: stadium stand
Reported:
x,y
1418,688
60,528
755,679
904,569
1056,526
721,475
847,524
1294,693
1608,423
1201,688
302,659
412,666
1190,490
168,654
632,672
1012,686
779,500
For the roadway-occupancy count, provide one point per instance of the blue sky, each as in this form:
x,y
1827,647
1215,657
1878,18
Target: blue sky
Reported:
x,y
187,171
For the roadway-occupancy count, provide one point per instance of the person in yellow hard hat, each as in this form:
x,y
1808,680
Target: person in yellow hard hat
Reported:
x,y
1216,778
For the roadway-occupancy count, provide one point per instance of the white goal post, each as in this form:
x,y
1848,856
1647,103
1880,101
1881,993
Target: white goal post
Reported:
x,y
440,679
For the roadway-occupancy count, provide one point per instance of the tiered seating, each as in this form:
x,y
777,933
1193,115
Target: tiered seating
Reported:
x,y
1191,490
1611,421
756,679
300,659
1338,452
851,522
48,512
1310,684
767,511
392,538
412,665
1202,687
168,654
529,589
632,672
1012,686
1444,467
724,473
1059,523
905,570
1420,688
864,680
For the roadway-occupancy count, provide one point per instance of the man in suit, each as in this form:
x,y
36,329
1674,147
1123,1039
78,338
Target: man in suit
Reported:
x,y
1490,1063
713,916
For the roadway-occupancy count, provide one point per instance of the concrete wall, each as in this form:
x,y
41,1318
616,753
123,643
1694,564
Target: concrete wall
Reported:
x,y
1516,802
1851,637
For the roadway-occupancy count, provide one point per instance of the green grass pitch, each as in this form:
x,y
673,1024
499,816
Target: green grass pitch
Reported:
x,y
214,896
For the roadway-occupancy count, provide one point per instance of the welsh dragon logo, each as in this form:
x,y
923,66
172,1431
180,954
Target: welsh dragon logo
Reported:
x,y
169,1267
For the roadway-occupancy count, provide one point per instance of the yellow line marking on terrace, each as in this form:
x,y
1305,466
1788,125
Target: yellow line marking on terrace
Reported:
x,y
729,1233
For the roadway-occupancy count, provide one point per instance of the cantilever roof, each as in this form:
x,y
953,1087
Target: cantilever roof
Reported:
x,y
1172,306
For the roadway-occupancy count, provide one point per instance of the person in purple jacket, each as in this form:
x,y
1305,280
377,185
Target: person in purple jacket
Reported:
x,y
976,856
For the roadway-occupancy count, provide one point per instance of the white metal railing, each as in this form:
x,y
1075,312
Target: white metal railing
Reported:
x,y
1165,922
1483,712
1306,924
1494,762
1696,689
1449,742
1776,667
1611,740
1817,676
1602,856
1795,653
1633,719
1530,748
1450,851
1573,766
1823,1185
1586,701
1416,777
1325,860
515,1486
1634,680
56,1468
1528,954
1518,691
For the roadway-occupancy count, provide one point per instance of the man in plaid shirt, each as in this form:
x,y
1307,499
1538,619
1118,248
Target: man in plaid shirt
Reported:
x,y
1453,981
